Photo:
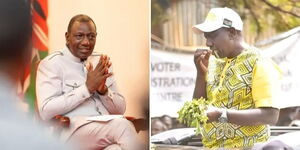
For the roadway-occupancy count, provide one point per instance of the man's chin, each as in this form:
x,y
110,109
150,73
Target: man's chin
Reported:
x,y
84,57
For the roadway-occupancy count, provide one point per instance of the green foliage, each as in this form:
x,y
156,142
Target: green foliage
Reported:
x,y
262,15
158,11
193,113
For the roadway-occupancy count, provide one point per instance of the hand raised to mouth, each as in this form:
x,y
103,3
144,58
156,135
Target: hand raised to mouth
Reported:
x,y
201,59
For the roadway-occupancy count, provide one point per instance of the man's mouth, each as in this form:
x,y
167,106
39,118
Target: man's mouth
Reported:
x,y
85,50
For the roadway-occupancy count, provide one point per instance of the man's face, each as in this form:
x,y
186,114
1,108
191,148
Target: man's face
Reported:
x,y
81,39
218,42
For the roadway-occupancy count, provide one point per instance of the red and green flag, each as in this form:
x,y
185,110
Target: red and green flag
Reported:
x,y
39,10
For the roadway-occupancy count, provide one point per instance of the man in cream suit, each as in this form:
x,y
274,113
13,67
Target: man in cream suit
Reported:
x,y
69,83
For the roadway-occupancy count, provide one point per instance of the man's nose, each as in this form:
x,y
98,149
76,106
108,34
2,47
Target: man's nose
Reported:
x,y
85,41
208,43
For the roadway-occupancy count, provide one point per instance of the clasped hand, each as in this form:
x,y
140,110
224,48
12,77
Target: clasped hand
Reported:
x,y
96,78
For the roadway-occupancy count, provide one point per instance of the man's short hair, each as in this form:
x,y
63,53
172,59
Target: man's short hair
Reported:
x,y
80,18
15,29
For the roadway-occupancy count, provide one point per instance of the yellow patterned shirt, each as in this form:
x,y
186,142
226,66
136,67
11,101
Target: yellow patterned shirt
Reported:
x,y
244,82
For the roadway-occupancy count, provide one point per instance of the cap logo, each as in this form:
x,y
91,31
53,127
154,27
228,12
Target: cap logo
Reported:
x,y
227,22
211,17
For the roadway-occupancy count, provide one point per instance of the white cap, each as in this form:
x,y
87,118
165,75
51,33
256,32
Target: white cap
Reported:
x,y
219,17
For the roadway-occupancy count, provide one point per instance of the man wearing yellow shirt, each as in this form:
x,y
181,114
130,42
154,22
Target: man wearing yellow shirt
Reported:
x,y
240,83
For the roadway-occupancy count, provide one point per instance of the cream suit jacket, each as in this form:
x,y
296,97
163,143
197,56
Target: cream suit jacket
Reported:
x,y
61,90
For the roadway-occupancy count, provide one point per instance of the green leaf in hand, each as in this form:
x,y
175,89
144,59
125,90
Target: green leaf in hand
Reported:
x,y
193,113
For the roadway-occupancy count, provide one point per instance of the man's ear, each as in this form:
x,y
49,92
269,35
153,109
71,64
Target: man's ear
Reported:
x,y
232,33
67,35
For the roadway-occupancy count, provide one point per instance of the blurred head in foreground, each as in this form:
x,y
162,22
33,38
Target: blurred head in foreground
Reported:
x,y
15,37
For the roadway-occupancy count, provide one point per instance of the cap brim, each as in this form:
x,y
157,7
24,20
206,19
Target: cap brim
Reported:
x,y
204,27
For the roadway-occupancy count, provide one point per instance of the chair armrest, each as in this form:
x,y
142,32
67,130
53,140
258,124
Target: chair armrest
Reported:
x,y
60,122
139,123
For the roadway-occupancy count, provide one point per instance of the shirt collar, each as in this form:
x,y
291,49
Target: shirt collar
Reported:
x,y
68,53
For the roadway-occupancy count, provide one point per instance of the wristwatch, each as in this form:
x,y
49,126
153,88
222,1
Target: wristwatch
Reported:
x,y
223,118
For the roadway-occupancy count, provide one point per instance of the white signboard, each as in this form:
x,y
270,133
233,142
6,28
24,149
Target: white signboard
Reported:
x,y
172,81
286,53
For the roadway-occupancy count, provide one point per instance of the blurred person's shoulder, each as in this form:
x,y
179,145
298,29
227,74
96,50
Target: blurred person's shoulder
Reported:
x,y
18,131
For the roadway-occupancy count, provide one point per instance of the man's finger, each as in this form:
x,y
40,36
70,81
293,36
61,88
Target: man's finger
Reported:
x,y
103,60
105,57
107,61
100,58
199,52
89,67
108,75
109,64
106,71
102,85
207,55
99,62
98,67
103,71
203,67
201,61
102,65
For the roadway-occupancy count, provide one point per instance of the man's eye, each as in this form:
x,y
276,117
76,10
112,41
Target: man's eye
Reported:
x,y
79,36
214,34
92,36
